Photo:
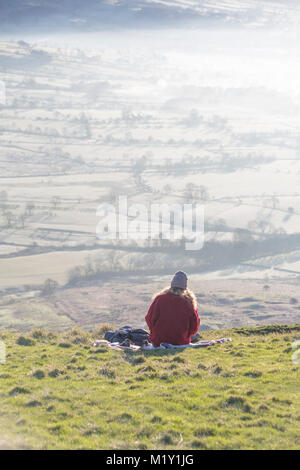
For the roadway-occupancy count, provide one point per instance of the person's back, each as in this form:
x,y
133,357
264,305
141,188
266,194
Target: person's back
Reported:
x,y
173,317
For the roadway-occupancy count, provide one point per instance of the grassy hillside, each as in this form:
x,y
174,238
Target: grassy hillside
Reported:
x,y
58,392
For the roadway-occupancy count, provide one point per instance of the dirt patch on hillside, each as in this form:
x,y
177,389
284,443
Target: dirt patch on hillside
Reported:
x,y
222,303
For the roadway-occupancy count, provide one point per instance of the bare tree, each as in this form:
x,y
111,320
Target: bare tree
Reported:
x,y
9,217
56,200
22,220
30,207
49,287
3,200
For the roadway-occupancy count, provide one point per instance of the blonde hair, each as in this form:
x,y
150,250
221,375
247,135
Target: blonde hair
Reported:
x,y
185,293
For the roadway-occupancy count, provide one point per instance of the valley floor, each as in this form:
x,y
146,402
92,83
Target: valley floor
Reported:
x,y
222,303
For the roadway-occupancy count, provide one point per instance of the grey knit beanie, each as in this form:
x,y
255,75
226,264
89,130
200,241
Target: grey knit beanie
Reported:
x,y
179,280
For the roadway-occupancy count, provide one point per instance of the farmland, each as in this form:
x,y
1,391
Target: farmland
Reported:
x,y
81,126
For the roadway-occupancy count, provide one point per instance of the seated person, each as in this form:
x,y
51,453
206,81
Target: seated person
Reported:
x,y
173,317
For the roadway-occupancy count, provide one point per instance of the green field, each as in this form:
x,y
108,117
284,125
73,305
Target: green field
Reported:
x,y
59,392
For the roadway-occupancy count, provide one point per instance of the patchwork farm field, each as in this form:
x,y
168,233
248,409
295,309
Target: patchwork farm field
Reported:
x,y
169,108
82,126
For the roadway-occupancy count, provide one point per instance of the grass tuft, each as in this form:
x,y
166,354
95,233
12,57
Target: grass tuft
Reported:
x,y
55,372
38,374
33,403
25,341
64,344
17,391
110,373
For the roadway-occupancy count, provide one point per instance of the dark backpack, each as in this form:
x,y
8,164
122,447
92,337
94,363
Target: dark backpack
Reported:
x,y
137,336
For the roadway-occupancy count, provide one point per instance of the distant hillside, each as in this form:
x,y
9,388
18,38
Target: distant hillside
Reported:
x,y
58,391
222,303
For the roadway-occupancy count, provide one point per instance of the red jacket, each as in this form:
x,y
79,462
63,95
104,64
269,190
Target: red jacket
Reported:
x,y
172,319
